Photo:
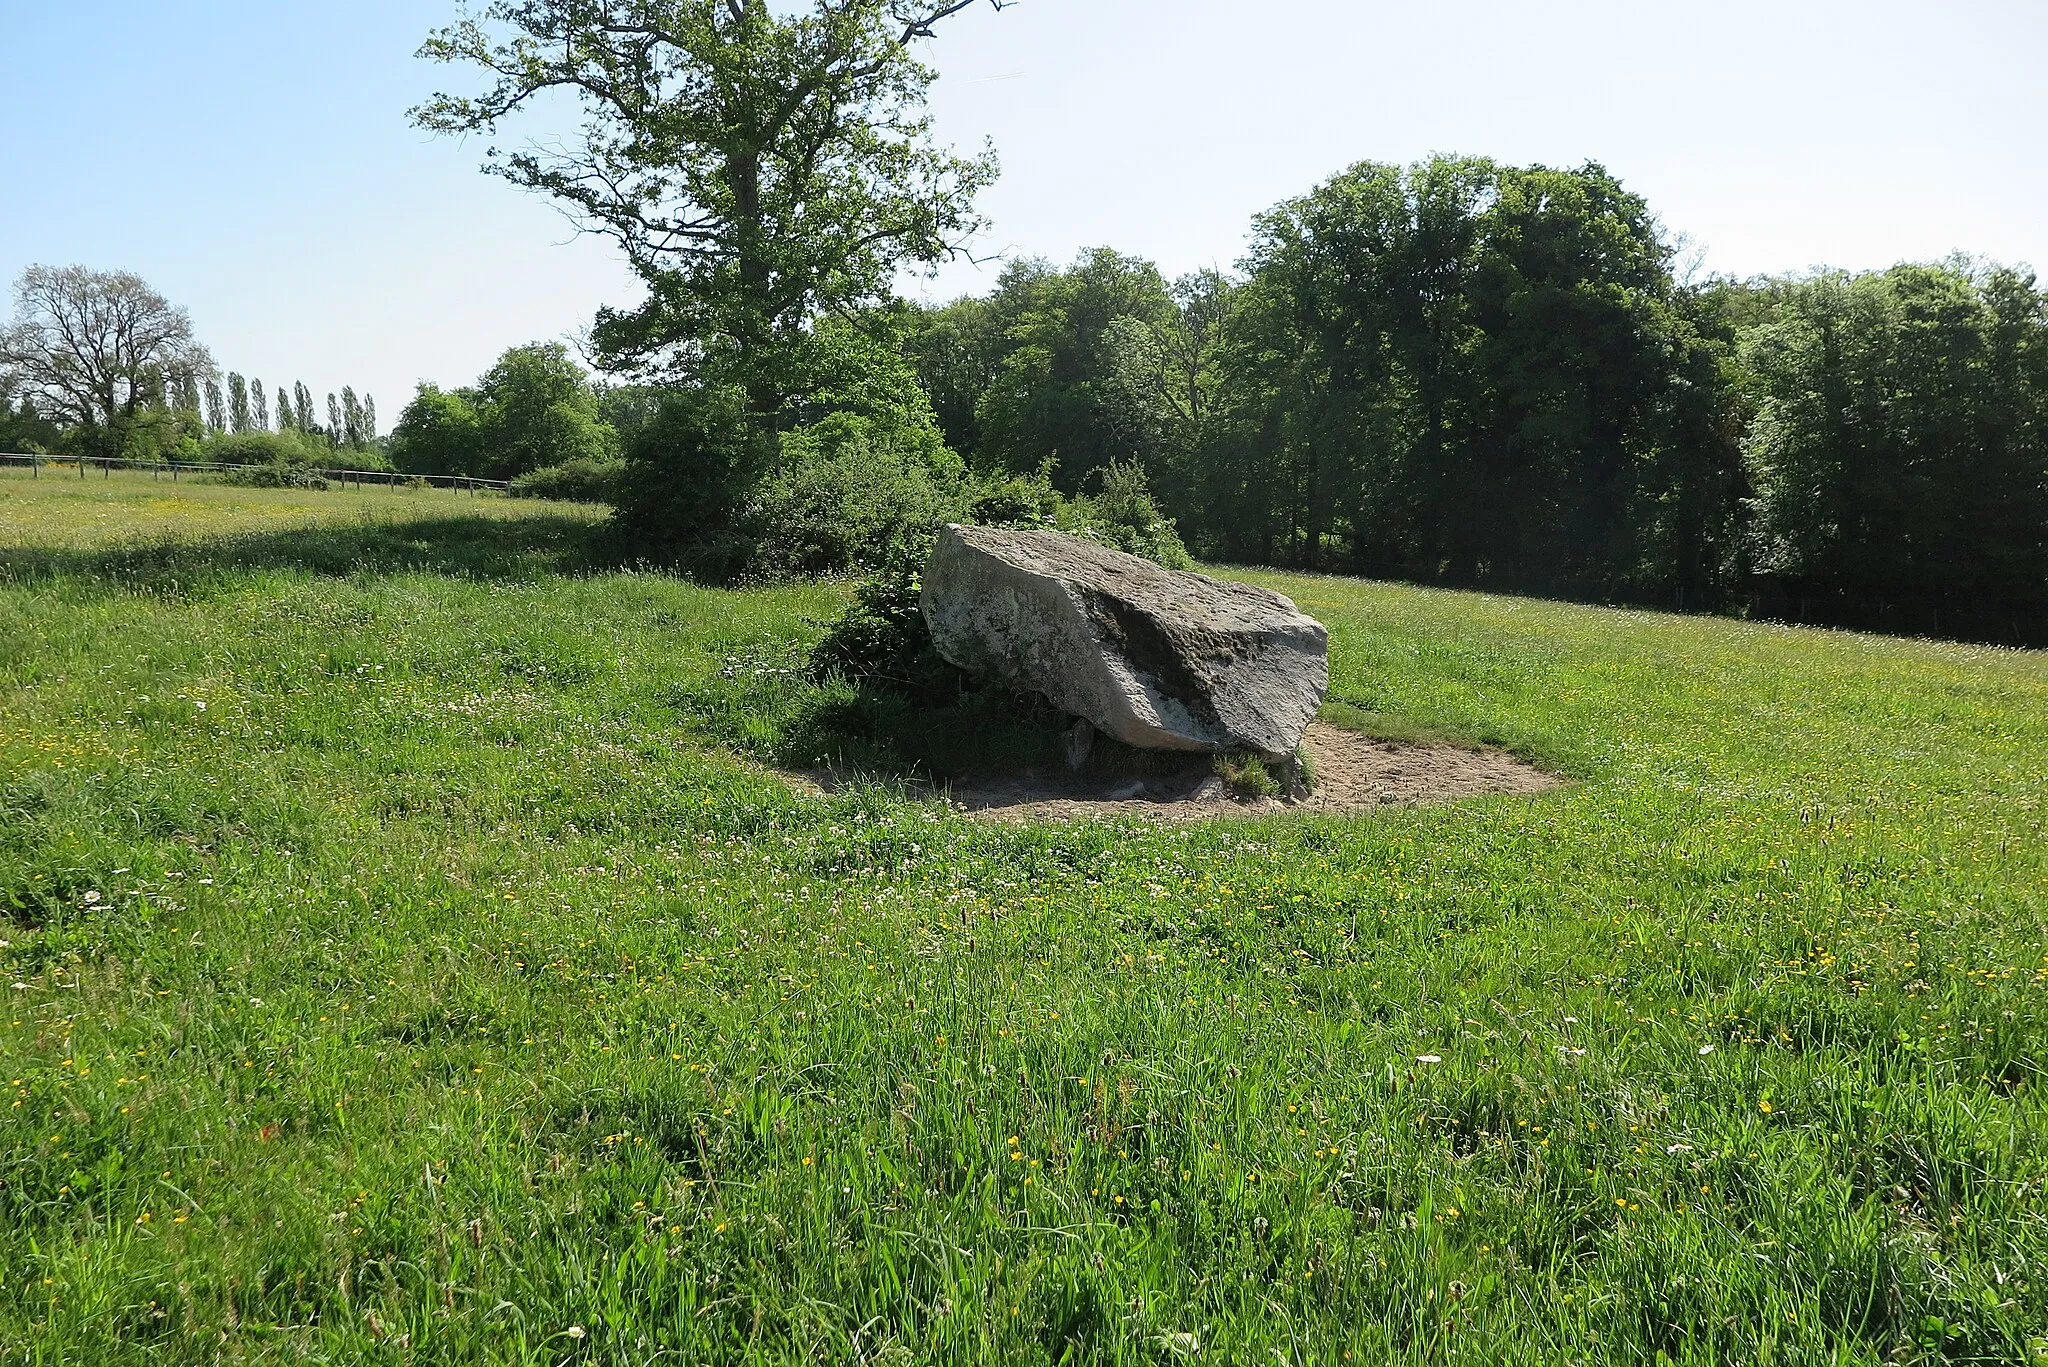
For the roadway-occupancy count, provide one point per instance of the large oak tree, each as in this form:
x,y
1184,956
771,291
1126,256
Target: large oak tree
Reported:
x,y
93,349
759,168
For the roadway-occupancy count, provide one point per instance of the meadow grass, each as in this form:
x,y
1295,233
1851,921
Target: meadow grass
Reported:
x,y
58,511
401,966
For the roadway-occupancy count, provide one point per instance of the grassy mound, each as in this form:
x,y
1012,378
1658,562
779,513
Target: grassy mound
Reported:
x,y
393,972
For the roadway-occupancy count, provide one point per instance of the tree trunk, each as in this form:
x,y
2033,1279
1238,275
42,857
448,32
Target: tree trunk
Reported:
x,y
754,335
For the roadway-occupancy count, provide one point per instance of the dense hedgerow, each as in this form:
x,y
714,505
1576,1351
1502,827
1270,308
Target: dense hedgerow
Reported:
x,y
580,480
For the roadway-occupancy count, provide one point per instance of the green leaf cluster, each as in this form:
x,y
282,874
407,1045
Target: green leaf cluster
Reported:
x,y
1463,372
1899,450
534,409
761,166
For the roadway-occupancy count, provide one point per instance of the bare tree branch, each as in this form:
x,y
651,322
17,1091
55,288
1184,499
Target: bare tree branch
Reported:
x,y
93,347
920,26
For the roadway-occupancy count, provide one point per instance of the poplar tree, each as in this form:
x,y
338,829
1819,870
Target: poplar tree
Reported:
x,y
238,403
302,404
351,418
334,428
259,405
285,420
216,408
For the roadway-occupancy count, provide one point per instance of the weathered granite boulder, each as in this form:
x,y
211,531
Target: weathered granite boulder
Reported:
x,y
1156,658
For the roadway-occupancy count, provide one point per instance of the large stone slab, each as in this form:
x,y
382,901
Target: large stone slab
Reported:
x,y
1156,658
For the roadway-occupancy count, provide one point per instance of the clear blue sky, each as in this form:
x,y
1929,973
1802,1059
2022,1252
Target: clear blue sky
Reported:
x,y
253,161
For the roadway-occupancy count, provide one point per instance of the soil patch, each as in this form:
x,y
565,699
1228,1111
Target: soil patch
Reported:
x,y
1353,773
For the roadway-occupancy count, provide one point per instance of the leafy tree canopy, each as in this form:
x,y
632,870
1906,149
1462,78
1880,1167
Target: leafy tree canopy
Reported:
x,y
98,352
534,409
760,167
1020,376
1899,449
23,430
439,433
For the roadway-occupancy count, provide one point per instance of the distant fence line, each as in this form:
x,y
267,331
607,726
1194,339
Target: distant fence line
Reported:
x,y
174,468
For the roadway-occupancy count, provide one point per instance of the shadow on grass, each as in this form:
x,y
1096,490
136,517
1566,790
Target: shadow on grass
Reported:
x,y
877,732
468,547
839,734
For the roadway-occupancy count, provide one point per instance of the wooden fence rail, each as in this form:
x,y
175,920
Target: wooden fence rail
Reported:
x,y
159,469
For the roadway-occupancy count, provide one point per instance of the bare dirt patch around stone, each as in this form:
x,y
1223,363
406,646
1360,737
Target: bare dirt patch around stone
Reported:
x,y
1354,773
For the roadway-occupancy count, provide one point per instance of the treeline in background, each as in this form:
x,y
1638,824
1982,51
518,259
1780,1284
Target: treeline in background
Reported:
x,y
239,408
97,364
1485,376
206,420
1457,373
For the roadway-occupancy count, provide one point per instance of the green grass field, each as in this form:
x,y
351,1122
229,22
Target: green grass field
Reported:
x,y
58,511
400,967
